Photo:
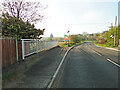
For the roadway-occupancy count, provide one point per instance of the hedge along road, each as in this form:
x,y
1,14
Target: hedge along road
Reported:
x,y
84,68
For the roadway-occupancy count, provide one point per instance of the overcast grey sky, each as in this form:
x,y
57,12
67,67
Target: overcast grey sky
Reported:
x,y
78,16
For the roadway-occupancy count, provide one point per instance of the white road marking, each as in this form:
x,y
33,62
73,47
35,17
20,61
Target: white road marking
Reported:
x,y
97,53
107,59
58,69
113,62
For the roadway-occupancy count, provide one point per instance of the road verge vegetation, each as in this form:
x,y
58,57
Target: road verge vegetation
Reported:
x,y
105,45
69,44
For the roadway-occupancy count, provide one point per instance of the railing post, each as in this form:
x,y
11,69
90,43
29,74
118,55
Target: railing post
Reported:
x,y
45,43
16,50
23,49
37,46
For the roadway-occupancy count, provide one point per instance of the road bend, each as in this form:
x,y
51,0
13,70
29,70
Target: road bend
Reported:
x,y
85,68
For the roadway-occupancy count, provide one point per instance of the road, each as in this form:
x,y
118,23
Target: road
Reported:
x,y
40,73
87,66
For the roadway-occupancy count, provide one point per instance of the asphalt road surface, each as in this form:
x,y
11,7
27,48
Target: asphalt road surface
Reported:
x,y
87,66
40,73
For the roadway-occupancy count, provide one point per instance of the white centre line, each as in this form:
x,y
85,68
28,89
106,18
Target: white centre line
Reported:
x,y
107,59
97,53
113,62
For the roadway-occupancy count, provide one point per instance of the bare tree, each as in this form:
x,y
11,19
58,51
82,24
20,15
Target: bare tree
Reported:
x,y
24,10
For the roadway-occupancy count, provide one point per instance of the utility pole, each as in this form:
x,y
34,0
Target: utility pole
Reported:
x,y
115,31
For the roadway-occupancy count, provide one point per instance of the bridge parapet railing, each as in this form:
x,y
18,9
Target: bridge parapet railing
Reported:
x,y
31,46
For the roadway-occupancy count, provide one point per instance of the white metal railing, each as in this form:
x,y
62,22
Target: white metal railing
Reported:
x,y
30,46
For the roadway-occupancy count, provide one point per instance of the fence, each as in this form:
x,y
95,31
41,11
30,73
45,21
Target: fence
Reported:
x,y
8,51
30,46
12,50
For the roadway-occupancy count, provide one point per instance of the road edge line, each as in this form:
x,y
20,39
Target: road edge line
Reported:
x,y
56,72
113,62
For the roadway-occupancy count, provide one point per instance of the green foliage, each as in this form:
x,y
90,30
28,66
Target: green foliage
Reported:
x,y
16,28
50,39
76,38
104,38
66,44
109,33
105,45
101,39
69,44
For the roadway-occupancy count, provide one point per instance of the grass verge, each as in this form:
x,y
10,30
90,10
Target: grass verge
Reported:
x,y
105,45
69,44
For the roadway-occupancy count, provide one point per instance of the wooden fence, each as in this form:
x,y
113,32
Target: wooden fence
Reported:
x,y
8,52
19,50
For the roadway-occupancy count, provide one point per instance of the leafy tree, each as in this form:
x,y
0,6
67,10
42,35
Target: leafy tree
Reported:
x,y
27,11
109,33
51,35
17,28
101,39
104,38
77,38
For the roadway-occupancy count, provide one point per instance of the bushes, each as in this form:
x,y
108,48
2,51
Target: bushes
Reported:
x,y
16,28
66,44
104,38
